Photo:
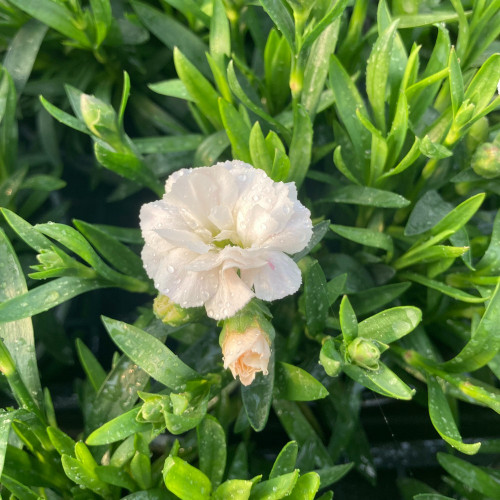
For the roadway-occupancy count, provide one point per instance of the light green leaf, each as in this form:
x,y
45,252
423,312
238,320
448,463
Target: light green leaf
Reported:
x,y
316,298
361,195
391,324
363,236
237,489
348,321
56,15
237,130
484,343
212,449
285,461
377,73
295,384
17,335
154,357
301,145
306,487
443,420
93,369
185,481
281,18
276,488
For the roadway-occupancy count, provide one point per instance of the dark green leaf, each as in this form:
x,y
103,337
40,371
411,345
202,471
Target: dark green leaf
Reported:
x,y
212,449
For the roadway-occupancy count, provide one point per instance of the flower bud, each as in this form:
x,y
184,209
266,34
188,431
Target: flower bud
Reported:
x,y
246,344
330,358
486,161
173,314
477,134
364,353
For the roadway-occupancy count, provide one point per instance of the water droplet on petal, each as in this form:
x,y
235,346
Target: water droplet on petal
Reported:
x,y
170,269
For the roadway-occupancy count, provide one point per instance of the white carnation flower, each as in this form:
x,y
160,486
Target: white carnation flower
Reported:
x,y
220,235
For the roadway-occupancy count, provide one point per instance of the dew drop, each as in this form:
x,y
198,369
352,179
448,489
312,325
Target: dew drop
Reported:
x,y
170,269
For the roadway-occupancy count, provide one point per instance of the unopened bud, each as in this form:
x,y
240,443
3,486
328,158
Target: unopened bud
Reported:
x,y
246,343
172,314
364,353
486,161
330,358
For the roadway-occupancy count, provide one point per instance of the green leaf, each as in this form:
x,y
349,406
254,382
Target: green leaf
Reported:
x,y
173,34
111,249
27,232
364,236
484,84
316,71
441,287
391,324
237,130
469,474
84,476
433,150
198,87
259,151
22,52
117,429
55,15
301,145
295,384
5,421
426,213
330,475
258,396
150,354
18,489
456,82
61,441
63,117
316,298
299,429
484,343
220,35
348,321
17,335
172,88
490,263
212,449
377,73
171,144
211,148
252,106
93,369
281,18
285,461
459,216
442,418
330,17
335,288
319,231
276,488
306,487
277,61
347,101
372,197
185,481
369,300
237,489
115,477
384,381
417,20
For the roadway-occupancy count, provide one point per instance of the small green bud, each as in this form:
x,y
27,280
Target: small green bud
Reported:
x,y
464,114
364,353
100,119
330,358
153,408
173,314
477,134
486,161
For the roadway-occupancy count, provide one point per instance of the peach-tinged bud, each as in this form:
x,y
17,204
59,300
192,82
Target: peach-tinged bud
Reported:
x,y
246,353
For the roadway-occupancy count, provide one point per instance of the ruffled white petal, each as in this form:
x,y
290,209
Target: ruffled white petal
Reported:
x,y
277,279
219,236
232,295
